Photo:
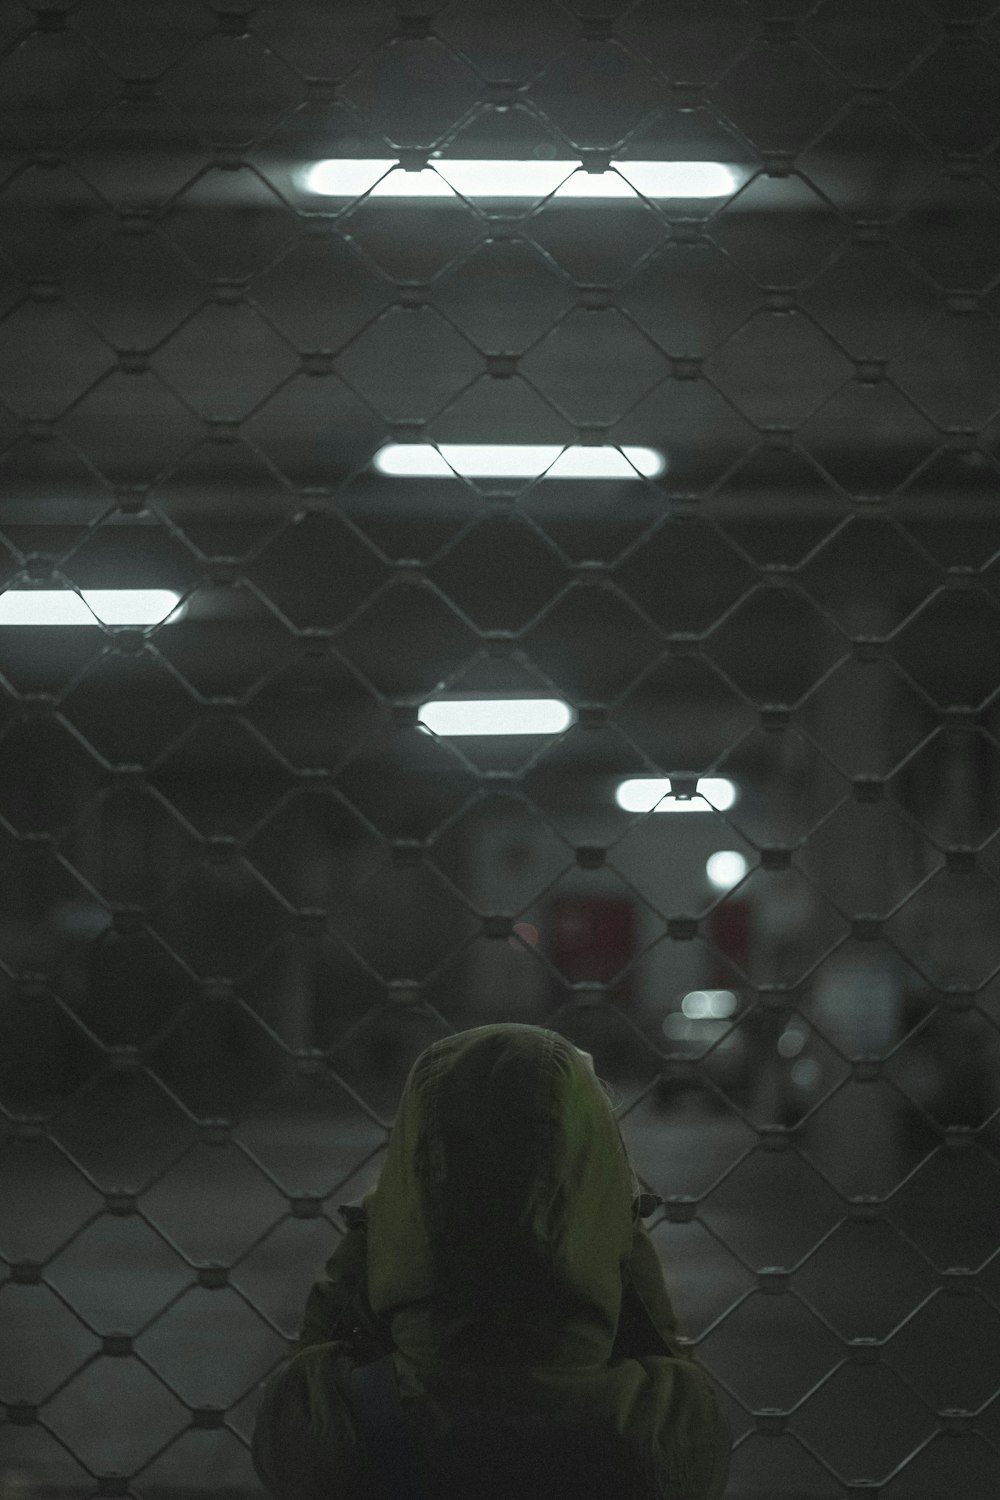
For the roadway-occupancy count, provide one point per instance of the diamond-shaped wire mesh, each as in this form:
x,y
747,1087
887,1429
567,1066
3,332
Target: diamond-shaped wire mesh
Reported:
x,y
243,887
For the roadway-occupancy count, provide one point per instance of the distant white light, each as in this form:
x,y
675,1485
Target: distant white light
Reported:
x,y
517,461
805,1073
792,1040
653,794
383,177
709,1005
455,716
66,607
725,868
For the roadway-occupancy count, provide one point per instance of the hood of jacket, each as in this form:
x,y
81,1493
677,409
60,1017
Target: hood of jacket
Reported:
x,y
504,1214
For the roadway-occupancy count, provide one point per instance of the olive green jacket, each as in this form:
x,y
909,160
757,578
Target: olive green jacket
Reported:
x,y
502,1260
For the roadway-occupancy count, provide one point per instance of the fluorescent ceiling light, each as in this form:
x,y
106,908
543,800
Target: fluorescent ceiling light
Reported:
x,y
517,461
653,794
673,179
349,177
65,607
454,716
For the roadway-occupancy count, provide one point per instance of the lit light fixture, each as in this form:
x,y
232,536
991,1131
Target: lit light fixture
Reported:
x,y
383,177
805,1073
792,1040
89,607
654,794
517,461
725,868
489,716
709,1005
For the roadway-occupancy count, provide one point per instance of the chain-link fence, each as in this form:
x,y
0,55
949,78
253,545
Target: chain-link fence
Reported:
x,y
380,343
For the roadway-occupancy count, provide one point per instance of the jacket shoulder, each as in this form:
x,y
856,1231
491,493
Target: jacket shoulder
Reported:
x,y
305,1446
690,1428
641,1429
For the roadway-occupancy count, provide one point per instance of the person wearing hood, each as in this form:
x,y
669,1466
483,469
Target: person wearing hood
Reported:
x,y
499,1281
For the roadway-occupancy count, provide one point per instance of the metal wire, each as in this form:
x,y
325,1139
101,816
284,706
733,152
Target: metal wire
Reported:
x,y
242,890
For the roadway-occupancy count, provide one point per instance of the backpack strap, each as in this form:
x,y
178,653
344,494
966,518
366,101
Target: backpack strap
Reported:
x,y
378,1411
